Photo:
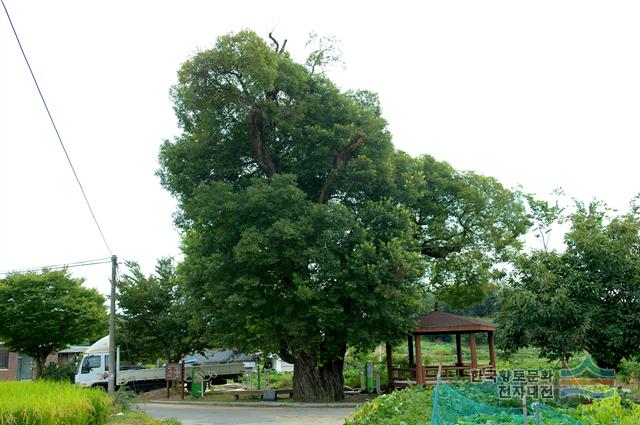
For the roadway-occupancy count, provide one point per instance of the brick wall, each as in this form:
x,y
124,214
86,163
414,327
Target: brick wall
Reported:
x,y
10,373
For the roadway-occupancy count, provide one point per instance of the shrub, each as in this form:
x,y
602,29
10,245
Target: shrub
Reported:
x,y
609,411
51,403
62,373
630,371
123,398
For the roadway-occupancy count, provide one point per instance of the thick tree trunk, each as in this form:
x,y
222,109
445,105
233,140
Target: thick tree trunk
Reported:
x,y
39,361
313,382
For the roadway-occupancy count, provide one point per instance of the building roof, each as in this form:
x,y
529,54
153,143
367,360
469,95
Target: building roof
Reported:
x,y
75,349
440,322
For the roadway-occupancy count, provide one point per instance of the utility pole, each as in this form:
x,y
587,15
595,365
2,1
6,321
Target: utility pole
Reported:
x,y
112,328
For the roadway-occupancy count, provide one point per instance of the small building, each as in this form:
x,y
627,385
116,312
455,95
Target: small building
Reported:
x,y
69,355
14,366
8,364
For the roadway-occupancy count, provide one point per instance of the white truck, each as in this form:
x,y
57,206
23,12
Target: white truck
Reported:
x,y
93,371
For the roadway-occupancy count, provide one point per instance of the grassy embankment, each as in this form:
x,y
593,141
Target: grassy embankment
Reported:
x,y
61,403
52,403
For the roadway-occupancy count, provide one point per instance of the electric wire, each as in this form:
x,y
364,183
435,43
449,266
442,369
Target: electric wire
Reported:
x,y
55,128
60,266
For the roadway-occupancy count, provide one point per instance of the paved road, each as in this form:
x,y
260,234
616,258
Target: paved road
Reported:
x,y
218,415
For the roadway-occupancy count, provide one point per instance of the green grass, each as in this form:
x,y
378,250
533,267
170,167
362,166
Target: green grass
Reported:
x,y
52,403
280,380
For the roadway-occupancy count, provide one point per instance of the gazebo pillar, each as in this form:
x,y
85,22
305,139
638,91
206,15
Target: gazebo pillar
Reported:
x,y
389,367
459,353
492,350
474,352
412,363
419,369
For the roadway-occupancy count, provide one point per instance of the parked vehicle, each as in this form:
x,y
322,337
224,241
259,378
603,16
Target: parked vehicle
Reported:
x,y
93,371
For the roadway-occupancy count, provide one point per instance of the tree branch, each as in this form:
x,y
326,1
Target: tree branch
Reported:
x,y
260,152
339,165
278,49
442,250
275,42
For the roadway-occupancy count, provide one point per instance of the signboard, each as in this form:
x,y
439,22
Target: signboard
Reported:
x,y
173,372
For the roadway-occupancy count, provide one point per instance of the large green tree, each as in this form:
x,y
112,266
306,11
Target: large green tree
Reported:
x,y
585,298
41,313
158,321
304,230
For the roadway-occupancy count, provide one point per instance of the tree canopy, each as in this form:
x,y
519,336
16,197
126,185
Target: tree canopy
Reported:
x,y
585,298
41,313
304,230
467,224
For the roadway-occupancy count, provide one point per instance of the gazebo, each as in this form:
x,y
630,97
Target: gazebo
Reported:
x,y
439,323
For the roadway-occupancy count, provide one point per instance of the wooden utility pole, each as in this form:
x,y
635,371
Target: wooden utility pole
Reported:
x,y
112,328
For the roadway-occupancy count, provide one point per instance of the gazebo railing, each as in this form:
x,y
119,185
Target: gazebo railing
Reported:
x,y
406,376
450,372
403,376
447,372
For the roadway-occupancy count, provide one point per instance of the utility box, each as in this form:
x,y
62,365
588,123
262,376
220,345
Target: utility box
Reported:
x,y
368,373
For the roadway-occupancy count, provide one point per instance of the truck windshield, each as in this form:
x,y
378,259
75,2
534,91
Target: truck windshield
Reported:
x,y
90,362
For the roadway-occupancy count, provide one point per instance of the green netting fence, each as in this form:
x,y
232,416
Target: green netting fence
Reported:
x,y
478,404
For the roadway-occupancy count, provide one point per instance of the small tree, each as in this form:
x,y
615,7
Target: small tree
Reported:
x,y
41,313
538,309
157,320
583,299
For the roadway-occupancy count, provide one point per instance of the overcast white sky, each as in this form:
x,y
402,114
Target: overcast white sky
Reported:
x,y
542,94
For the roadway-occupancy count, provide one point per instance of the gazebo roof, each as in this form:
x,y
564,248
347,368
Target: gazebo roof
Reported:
x,y
440,322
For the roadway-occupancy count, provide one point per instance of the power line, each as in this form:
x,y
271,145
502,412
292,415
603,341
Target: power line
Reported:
x,y
61,266
55,128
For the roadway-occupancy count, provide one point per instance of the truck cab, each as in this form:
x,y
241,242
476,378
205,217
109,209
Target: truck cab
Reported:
x,y
93,369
